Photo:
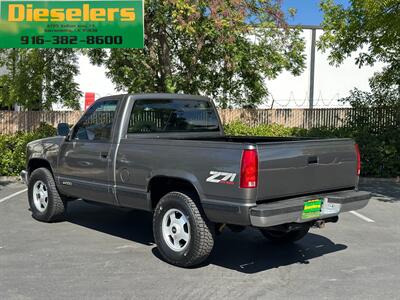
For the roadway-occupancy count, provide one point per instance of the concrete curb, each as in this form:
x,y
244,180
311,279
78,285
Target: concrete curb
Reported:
x,y
372,179
9,179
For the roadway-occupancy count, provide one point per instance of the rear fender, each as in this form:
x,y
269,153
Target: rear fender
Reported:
x,y
178,174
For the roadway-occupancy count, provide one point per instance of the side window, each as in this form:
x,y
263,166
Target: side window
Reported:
x,y
96,124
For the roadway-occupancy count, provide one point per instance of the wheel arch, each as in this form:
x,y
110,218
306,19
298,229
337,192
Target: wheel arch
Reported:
x,y
36,163
160,185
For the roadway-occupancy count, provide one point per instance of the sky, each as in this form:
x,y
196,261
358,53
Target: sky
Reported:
x,y
308,11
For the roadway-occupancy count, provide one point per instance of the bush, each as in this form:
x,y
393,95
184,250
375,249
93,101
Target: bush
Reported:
x,y
380,152
239,128
13,149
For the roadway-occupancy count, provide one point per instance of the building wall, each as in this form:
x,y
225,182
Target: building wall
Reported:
x,y
331,82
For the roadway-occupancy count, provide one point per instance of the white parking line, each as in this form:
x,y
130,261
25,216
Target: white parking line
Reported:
x,y
13,195
362,217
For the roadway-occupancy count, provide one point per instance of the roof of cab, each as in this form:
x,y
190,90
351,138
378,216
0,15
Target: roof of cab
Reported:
x,y
157,96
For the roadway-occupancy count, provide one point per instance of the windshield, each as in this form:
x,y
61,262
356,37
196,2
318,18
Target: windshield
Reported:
x,y
170,115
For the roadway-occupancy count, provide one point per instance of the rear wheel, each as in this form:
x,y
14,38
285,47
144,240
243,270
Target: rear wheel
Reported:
x,y
285,236
44,200
182,233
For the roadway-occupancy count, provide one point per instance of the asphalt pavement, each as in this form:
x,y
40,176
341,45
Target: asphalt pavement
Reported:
x,y
106,253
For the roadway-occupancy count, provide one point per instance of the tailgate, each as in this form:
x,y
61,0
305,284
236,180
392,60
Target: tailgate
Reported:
x,y
305,167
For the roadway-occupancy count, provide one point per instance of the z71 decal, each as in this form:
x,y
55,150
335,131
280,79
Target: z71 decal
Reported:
x,y
222,177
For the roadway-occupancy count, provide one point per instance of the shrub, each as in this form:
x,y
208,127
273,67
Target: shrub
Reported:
x,y
13,149
380,152
239,128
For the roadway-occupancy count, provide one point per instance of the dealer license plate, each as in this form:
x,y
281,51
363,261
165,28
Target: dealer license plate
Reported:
x,y
312,209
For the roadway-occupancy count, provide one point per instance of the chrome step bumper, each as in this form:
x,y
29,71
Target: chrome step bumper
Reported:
x,y
290,210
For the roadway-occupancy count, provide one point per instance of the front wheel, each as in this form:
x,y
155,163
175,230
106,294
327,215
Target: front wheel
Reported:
x,y
182,233
285,236
44,200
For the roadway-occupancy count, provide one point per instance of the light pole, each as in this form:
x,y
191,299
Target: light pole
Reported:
x,y
312,68
311,90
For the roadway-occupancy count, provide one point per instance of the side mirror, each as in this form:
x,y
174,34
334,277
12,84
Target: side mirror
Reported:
x,y
63,129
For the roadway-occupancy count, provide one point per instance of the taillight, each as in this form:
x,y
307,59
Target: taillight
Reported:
x,y
249,169
358,160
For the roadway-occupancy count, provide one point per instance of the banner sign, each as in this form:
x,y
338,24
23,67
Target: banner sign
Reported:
x,y
71,24
90,98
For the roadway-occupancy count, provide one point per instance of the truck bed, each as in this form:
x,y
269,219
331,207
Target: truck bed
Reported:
x,y
253,139
292,166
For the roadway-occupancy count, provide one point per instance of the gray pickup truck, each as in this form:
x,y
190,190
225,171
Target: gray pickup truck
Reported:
x,y
168,154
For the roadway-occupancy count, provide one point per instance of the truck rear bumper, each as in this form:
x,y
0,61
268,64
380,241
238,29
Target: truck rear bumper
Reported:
x,y
291,210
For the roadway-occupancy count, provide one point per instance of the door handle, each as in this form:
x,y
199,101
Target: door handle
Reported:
x,y
85,164
103,155
313,160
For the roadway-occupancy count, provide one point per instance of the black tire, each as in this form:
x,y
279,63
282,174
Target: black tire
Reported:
x,y
202,233
285,237
56,207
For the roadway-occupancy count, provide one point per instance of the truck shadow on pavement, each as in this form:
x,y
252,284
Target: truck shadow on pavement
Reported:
x,y
247,252
133,225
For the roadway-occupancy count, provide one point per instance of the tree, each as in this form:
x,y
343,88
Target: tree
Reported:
x,y
37,78
371,27
220,48
376,98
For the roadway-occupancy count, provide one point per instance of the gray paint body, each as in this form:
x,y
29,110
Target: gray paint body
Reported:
x,y
119,172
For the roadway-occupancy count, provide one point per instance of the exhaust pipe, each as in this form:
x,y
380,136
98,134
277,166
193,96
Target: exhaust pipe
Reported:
x,y
320,224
